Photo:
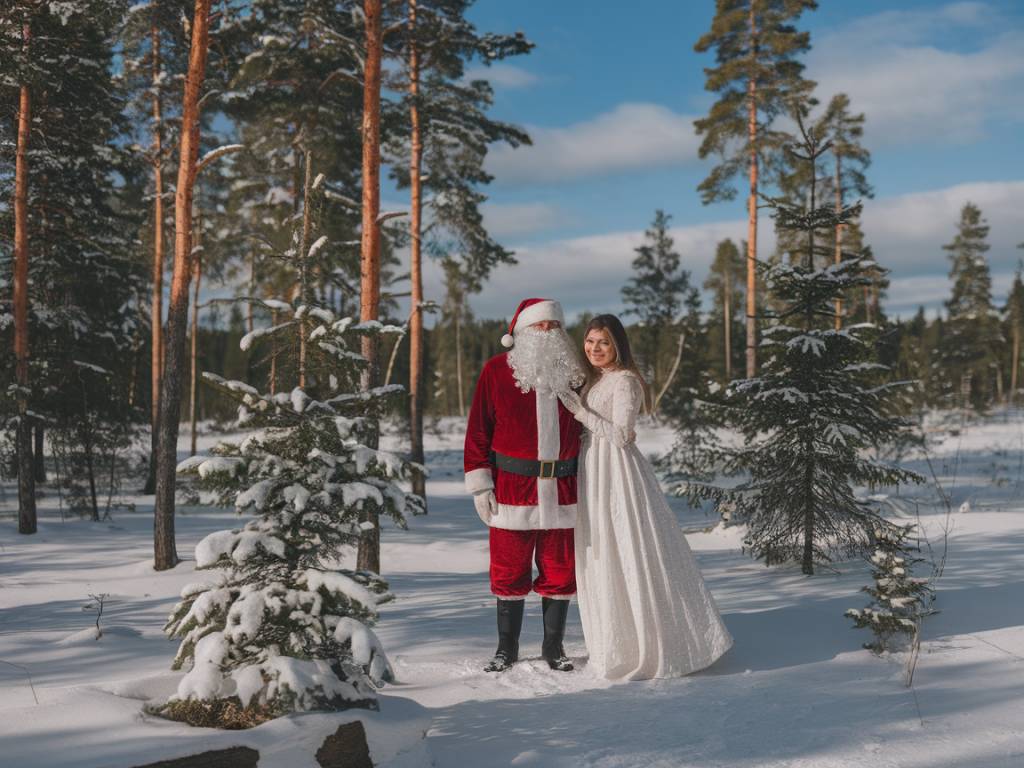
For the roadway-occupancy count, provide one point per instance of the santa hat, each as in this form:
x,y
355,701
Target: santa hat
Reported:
x,y
532,311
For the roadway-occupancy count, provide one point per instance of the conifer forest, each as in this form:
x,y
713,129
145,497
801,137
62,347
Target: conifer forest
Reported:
x,y
255,254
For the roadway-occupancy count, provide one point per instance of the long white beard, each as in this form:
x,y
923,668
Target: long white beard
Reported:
x,y
545,361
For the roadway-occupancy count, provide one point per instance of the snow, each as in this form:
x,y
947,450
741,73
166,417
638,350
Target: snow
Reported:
x,y
797,690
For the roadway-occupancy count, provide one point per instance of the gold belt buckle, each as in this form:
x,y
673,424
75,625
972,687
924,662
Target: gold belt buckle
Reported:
x,y
543,467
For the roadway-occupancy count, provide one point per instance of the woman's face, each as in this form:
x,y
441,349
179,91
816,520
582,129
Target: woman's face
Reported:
x,y
599,348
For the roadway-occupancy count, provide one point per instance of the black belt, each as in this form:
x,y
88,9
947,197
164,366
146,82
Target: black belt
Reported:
x,y
533,467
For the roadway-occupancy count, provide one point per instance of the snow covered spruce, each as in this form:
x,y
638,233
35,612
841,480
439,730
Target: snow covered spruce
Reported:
x,y
285,628
898,600
818,407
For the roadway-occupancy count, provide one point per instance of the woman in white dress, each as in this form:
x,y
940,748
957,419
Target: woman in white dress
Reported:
x,y
645,610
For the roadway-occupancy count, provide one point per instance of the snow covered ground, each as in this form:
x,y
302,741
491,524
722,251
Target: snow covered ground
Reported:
x,y
795,691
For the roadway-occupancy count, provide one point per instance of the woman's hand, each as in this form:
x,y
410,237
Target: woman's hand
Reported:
x,y
572,401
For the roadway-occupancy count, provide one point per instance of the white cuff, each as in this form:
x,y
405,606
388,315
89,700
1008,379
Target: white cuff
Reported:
x,y
479,480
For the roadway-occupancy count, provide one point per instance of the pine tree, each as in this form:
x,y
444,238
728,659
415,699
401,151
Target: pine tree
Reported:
x,y
808,417
898,600
286,628
757,77
725,281
656,294
446,162
165,554
969,351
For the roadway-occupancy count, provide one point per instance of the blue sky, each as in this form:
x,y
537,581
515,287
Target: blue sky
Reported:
x,y
609,95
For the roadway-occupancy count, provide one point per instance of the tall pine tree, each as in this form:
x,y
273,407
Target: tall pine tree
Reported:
x,y
756,76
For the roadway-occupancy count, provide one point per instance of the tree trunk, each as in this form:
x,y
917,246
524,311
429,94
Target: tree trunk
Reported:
x,y
38,456
458,360
416,381
164,553
368,558
728,325
26,472
839,236
752,213
197,272
307,225
1015,364
157,313
249,320
807,561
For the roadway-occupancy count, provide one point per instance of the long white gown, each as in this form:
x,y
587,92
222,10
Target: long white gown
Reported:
x,y
645,610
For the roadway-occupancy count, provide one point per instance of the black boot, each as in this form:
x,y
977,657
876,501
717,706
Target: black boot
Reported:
x,y
510,622
555,612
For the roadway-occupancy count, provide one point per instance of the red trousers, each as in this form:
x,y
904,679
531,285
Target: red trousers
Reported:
x,y
512,569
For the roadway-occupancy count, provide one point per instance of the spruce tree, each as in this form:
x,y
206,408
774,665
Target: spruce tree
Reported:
x,y
898,600
286,628
657,294
756,76
969,350
808,418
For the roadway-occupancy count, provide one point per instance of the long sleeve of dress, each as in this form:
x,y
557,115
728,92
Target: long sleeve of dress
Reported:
x,y
626,401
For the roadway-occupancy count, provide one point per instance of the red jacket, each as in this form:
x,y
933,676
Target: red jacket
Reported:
x,y
528,426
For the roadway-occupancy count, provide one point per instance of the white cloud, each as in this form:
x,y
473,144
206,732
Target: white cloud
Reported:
x,y
502,76
906,233
914,91
505,220
629,137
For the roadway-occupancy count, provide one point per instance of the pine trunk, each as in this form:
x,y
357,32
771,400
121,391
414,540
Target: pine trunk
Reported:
x,y
26,470
197,275
839,235
157,312
1015,365
416,382
307,227
752,213
164,553
368,558
38,456
728,326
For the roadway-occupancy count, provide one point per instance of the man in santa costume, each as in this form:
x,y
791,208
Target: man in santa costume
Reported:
x,y
520,461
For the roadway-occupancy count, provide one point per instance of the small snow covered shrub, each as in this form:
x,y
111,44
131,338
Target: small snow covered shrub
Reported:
x,y
286,629
898,600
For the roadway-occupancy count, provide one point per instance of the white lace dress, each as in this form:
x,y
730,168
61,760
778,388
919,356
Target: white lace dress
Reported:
x,y
645,610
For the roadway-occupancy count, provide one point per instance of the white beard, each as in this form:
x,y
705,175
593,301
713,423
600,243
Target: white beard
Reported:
x,y
545,361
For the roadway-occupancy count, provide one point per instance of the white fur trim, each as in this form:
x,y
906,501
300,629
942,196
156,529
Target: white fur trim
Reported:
x,y
560,597
547,447
506,597
479,480
542,310
515,518
507,341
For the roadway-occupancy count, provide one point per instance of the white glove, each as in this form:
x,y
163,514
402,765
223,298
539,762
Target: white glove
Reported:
x,y
572,402
486,505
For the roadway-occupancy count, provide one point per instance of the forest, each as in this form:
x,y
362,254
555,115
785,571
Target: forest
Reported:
x,y
204,304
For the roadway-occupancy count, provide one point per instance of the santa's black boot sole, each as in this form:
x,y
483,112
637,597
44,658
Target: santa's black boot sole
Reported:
x,y
510,623
555,613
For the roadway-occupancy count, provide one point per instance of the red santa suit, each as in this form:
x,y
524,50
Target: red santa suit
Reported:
x,y
535,514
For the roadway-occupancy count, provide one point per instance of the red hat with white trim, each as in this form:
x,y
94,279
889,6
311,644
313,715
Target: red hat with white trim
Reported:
x,y
532,311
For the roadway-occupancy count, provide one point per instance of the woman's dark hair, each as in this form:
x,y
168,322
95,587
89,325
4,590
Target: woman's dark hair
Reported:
x,y
623,353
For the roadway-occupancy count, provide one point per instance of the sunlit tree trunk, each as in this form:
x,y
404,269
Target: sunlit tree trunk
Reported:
x,y
369,545
26,472
416,382
164,552
157,312
752,212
